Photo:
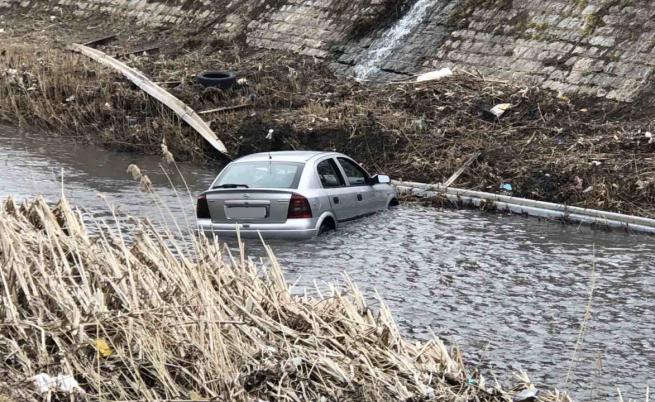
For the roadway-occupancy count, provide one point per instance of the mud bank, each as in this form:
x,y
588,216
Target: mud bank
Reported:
x,y
584,152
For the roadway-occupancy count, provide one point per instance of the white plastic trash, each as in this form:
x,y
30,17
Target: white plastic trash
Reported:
x,y
435,75
500,109
62,383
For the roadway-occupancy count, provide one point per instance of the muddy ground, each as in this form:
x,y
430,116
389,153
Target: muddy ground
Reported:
x,y
579,151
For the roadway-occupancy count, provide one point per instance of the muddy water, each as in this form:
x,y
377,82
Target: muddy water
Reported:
x,y
511,291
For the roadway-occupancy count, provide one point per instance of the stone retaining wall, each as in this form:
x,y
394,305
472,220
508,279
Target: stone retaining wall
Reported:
x,y
604,48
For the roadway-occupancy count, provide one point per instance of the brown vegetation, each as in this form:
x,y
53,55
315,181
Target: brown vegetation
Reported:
x,y
147,320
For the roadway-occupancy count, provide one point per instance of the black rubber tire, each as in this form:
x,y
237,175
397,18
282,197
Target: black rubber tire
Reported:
x,y
325,227
217,79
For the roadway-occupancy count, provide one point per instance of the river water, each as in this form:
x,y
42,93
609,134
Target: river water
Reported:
x,y
510,291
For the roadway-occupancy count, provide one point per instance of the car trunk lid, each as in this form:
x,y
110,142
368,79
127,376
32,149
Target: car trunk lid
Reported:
x,y
248,205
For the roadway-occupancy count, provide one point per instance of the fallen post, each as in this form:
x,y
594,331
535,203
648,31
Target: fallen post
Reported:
x,y
180,108
461,170
528,207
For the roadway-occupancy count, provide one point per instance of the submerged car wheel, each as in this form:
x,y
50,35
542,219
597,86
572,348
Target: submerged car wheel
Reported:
x,y
326,226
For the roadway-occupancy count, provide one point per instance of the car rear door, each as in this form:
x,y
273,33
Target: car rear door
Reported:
x,y
336,189
361,194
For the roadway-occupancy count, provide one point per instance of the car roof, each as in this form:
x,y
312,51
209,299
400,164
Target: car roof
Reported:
x,y
285,156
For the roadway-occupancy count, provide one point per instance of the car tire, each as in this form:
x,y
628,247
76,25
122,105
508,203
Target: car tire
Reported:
x,y
217,79
325,227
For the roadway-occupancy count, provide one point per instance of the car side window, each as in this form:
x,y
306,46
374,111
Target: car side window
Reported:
x,y
329,174
355,174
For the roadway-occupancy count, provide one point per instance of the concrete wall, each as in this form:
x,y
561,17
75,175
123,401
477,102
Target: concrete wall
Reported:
x,y
604,48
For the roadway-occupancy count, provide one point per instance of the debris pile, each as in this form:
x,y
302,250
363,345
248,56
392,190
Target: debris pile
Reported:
x,y
98,317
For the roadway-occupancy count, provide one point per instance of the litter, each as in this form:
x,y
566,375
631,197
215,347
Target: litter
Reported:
x,y
527,395
63,383
103,347
435,75
500,109
506,187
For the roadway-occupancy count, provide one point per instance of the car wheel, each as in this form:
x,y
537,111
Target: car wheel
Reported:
x,y
326,226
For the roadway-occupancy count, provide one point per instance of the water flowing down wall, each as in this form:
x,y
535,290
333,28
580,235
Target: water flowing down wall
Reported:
x,y
603,48
392,40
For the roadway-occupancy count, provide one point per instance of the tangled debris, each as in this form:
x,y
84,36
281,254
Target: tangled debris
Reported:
x,y
144,321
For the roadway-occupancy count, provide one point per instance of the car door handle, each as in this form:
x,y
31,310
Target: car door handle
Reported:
x,y
335,199
359,197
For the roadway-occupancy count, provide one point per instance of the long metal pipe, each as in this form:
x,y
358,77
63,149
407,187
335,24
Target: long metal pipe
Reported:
x,y
525,206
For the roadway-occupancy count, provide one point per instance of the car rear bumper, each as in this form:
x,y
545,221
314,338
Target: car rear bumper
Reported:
x,y
292,229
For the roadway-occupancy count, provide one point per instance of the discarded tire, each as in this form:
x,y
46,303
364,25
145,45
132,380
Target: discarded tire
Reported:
x,y
217,79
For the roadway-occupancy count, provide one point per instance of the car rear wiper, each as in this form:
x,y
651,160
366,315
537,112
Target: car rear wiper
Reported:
x,y
232,186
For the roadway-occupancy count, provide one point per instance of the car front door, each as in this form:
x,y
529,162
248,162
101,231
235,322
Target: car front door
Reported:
x,y
336,189
361,195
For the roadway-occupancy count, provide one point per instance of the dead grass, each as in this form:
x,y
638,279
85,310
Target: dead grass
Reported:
x,y
65,93
147,321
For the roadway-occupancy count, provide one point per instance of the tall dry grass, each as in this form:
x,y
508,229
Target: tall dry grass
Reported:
x,y
69,94
147,320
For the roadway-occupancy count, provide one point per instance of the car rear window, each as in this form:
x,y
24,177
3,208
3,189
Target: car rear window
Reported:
x,y
261,175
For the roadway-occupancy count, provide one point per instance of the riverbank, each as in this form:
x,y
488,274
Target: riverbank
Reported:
x,y
148,319
584,152
427,264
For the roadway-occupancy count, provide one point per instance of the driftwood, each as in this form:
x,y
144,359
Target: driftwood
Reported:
x,y
461,170
180,108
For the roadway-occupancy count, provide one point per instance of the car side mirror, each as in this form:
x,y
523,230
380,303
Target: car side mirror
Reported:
x,y
381,179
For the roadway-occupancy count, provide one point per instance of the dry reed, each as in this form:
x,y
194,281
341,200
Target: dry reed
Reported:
x,y
141,320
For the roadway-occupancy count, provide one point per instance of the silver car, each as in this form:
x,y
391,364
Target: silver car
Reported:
x,y
291,195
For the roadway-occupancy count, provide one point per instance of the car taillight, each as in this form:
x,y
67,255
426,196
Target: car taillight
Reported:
x,y
202,208
299,207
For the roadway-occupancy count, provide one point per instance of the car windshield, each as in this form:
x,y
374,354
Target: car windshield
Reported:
x,y
260,175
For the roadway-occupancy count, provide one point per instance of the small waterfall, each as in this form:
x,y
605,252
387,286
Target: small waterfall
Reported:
x,y
391,40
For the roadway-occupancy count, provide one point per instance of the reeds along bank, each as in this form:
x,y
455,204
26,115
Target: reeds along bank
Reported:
x,y
146,319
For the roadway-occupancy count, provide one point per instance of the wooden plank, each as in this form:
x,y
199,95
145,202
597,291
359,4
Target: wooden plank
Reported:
x,y
461,170
180,108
